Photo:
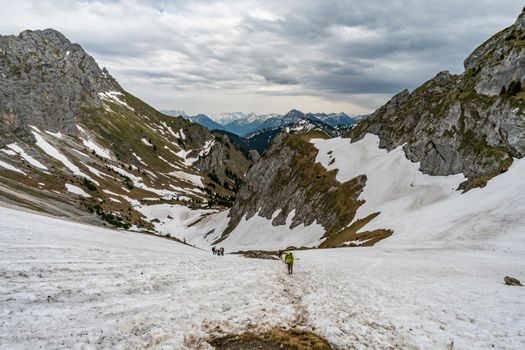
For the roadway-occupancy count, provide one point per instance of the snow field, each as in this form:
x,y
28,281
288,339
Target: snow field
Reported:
x,y
407,298
259,233
67,285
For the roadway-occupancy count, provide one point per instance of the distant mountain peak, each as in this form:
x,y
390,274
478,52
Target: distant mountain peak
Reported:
x,y
174,112
294,113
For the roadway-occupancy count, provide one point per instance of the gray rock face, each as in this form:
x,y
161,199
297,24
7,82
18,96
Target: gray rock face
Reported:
x,y
254,155
500,60
287,179
461,123
226,162
47,81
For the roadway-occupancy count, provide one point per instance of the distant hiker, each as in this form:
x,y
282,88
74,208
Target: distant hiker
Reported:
x,y
288,259
213,250
280,254
222,251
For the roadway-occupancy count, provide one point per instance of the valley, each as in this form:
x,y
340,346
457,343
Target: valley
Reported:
x,y
406,223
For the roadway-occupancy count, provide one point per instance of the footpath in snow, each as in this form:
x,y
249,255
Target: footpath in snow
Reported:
x,y
72,286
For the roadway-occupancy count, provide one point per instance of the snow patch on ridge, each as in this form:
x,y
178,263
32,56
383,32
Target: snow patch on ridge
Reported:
x,y
77,190
57,135
15,148
10,167
54,153
138,182
139,159
8,152
191,178
103,152
114,96
146,142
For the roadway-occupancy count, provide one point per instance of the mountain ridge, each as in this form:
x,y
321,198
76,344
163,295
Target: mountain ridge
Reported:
x,y
244,124
72,136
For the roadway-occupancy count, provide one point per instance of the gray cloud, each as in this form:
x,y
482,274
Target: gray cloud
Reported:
x,y
271,55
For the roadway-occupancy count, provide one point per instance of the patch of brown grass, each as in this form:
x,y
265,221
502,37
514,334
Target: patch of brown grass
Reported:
x,y
368,238
293,339
313,134
259,254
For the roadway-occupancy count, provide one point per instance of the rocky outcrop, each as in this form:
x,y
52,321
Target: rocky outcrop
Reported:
x,y
471,123
225,163
511,281
499,60
287,179
47,81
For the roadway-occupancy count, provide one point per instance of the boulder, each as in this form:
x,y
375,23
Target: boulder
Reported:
x,y
511,281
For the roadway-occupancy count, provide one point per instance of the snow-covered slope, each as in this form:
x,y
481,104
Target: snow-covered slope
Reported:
x,y
72,286
422,210
425,210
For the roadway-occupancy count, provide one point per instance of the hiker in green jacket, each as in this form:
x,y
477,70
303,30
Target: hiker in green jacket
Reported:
x,y
288,259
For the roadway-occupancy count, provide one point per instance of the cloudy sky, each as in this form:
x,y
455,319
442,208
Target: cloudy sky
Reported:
x,y
269,56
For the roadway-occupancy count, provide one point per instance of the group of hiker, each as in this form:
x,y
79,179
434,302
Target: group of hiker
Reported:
x,y
288,260
287,257
218,251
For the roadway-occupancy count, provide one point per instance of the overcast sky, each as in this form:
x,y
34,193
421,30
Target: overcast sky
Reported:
x,y
269,56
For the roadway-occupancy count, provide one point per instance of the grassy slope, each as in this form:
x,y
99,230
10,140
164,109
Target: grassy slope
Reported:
x,y
121,130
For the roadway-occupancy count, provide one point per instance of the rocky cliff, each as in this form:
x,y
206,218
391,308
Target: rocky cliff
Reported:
x,y
287,181
472,123
225,164
47,81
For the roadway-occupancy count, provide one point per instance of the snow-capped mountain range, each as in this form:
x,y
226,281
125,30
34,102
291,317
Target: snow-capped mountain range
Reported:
x,y
225,118
244,124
